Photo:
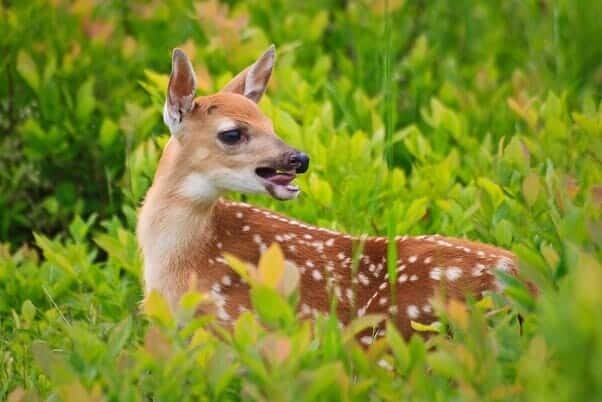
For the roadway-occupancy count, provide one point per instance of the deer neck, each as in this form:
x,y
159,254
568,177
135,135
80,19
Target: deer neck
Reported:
x,y
173,231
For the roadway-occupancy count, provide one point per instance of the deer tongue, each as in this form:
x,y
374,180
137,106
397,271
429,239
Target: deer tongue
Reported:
x,y
281,179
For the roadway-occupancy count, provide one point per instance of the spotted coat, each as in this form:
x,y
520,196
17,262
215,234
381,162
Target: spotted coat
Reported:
x,y
353,270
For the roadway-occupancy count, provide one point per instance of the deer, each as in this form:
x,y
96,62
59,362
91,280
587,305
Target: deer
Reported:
x,y
224,143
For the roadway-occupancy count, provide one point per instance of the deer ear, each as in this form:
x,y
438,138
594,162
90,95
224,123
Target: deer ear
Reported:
x,y
253,80
180,91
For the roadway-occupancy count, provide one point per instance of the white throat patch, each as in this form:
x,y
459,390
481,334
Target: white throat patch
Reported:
x,y
198,187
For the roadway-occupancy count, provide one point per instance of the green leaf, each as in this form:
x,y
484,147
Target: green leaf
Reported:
x,y
28,311
108,133
54,254
320,189
122,248
531,187
416,211
221,370
271,307
28,70
495,193
442,363
246,330
119,336
398,346
503,232
85,101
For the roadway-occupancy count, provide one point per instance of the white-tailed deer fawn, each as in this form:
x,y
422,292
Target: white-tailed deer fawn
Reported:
x,y
222,143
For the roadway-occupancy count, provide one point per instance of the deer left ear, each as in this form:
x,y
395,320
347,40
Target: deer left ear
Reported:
x,y
180,91
253,80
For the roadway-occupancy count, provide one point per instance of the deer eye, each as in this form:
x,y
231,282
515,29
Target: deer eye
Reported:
x,y
230,137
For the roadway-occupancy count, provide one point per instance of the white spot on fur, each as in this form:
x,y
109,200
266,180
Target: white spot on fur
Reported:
x,y
504,264
366,340
305,309
384,364
412,311
453,273
246,228
412,259
436,273
478,270
363,279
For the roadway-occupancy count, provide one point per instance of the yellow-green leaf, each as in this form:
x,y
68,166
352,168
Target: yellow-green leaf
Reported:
x,y
156,306
492,189
435,326
244,270
531,186
550,255
486,303
271,266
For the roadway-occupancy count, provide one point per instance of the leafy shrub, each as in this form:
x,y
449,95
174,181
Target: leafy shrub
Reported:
x,y
474,120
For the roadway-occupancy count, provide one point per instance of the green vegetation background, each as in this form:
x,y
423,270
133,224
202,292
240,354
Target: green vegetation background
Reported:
x,y
467,118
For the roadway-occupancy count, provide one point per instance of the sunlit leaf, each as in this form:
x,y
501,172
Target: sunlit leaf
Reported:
x,y
432,327
155,306
271,266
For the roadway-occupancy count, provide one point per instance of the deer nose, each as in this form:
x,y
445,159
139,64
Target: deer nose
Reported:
x,y
299,161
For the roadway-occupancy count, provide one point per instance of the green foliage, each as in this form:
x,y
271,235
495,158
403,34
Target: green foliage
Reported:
x,y
471,119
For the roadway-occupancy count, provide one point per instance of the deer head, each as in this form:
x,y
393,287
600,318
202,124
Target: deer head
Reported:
x,y
223,142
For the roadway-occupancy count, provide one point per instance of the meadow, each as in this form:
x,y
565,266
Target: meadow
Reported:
x,y
475,119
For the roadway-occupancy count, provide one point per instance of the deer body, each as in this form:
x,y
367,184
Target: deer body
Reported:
x,y
224,143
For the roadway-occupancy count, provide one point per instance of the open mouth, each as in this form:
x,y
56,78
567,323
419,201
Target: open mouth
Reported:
x,y
278,182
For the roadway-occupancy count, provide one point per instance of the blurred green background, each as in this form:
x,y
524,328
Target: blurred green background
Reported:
x,y
478,119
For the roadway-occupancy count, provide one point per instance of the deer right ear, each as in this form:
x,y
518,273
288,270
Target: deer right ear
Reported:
x,y
253,80
180,91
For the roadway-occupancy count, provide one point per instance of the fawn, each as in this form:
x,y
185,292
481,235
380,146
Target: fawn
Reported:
x,y
223,142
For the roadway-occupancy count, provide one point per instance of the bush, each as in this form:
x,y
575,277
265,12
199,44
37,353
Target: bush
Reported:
x,y
466,119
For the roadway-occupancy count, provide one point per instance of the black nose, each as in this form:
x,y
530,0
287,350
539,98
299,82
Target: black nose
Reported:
x,y
299,161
